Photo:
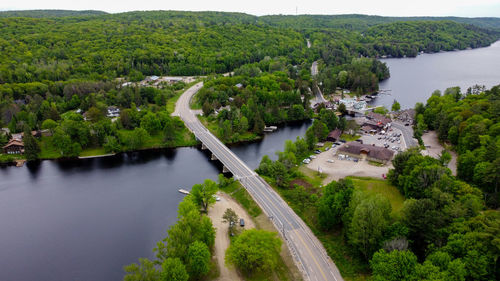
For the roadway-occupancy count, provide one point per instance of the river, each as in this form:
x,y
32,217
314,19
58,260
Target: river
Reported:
x,y
86,219
414,79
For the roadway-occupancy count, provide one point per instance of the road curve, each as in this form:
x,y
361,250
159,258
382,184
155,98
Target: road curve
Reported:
x,y
319,98
309,254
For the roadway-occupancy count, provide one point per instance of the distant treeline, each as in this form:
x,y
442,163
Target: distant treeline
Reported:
x,y
102,47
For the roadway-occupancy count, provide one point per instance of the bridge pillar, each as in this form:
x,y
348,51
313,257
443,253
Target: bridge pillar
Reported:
x,y
213,157
203,146
225,170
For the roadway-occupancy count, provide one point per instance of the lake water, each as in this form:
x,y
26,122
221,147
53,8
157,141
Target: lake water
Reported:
x,y
86,219
414,79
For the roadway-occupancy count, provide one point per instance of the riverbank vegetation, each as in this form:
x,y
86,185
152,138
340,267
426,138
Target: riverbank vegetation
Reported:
x,y
81,118
185,254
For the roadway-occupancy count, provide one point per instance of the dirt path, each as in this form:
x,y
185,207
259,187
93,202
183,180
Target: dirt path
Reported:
x,y
222,237
434,151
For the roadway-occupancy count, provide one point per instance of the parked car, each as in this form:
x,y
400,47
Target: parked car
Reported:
x,y
242,222
330,161
312,157
306,161
317,151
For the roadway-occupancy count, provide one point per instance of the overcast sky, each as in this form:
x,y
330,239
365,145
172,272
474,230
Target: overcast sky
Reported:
x,y
465,8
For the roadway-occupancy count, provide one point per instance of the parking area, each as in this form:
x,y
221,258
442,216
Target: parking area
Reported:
x,y
335,167
392,139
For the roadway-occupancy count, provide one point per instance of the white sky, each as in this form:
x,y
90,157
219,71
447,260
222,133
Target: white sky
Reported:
x,y
465,8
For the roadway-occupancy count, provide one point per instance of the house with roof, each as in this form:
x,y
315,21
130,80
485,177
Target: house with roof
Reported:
x,y
113,111
14,146
370,152
334,135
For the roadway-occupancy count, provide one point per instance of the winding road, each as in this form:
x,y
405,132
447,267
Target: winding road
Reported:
x,y
308,252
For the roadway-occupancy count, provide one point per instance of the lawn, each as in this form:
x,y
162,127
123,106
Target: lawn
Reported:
x,y
348,137
95,151
384,188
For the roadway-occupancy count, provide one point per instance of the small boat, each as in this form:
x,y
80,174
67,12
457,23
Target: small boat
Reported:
x,y
183,191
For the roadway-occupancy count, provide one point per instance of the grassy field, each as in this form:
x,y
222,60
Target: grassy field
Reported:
x,y
348,137
383,187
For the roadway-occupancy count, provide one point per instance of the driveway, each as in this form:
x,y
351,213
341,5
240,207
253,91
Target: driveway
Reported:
x,y
222,241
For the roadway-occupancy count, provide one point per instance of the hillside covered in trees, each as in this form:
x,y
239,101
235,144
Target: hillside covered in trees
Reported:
x,y
56,63
49,13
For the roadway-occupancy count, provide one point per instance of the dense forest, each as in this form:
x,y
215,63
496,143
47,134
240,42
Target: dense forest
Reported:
x,y
48,13
58,66
363,22
421,224
470,122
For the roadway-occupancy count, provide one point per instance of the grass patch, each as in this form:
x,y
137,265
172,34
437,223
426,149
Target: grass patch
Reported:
x,y
312,176
9,158
384,188
374,163
47,150
93,152
348,137
171,101
240,194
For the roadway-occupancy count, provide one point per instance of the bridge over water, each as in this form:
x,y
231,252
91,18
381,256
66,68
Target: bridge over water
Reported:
x,y
308,252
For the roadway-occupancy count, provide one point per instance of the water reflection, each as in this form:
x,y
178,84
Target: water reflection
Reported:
x,y
85,219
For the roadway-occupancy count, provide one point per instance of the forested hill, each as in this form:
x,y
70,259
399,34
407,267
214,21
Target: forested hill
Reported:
x,y
49,13
363,22
102,47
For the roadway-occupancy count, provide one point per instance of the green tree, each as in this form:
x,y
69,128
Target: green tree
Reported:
x,y
369,221
333,203
31,147
144,271
254,251
136,138
94,114
230,217
111,144
393,266
203,194
445,157
173,270
396,106
49,124
198,260
342,109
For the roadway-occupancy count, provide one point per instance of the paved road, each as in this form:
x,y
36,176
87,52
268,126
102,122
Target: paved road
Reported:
x,y
308,252
319,98
407,132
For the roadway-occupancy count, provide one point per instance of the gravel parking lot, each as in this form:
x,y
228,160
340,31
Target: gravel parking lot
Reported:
x,y
329,163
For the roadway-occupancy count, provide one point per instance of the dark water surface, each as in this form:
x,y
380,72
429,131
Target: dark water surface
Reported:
x,y
86,219
414,79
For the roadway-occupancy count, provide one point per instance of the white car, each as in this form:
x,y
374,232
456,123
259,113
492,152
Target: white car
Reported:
x,y
306,161
312,157
330,161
